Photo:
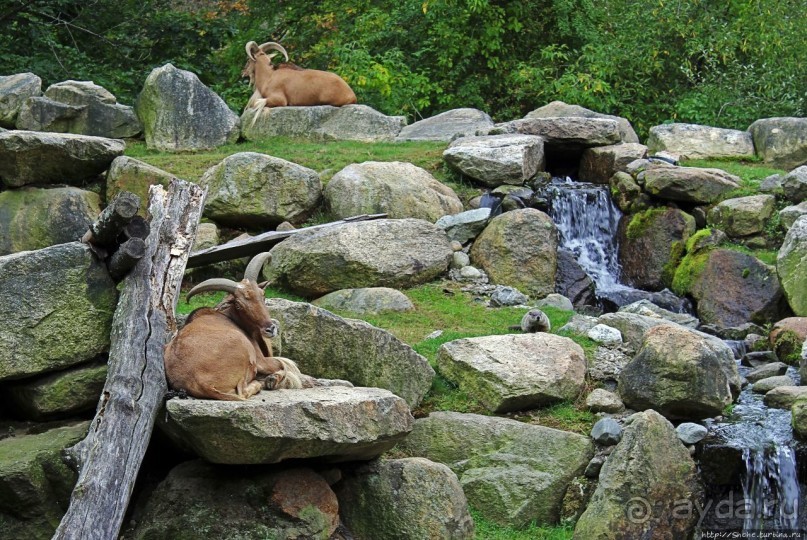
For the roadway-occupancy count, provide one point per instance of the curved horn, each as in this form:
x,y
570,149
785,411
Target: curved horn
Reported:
x,y
215,284
271,45
249,47
255,265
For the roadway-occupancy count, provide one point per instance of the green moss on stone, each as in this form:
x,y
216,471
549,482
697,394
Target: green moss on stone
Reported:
x,y
692,265
641,221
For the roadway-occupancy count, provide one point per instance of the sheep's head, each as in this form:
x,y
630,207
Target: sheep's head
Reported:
x,y
245,302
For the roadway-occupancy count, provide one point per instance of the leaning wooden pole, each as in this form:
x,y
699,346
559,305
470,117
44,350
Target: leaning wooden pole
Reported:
x,y
109,457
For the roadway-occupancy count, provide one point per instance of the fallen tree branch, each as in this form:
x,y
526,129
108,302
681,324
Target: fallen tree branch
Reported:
x,y
109,457
260,243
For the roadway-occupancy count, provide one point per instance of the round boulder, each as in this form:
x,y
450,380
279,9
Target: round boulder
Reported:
x,y
682,374
371,300
401,190
743,216
781,142
519,249
14,90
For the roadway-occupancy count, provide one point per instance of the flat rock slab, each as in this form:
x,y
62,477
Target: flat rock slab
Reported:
x,y
31,157
688,184
447,125
569,131
335,423
497,159
515,371
691,141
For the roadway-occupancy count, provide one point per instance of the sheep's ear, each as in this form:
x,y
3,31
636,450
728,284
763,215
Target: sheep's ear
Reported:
x,y
262,285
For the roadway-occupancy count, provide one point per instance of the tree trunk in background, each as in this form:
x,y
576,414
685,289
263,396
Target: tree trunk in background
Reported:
x,y
109,457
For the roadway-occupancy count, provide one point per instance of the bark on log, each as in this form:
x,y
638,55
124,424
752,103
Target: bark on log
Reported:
x,y
104,231
260,243
138,227
126,257
109,457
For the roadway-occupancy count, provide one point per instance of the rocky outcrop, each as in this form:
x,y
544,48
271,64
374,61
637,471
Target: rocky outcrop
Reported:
x,y
494,160
744,216
199,499
691,141
80,107
35,480
512,472
688,184
400,190
369,301
644,485
64,393
180,113
561,109
249,189
14,90
322,122
519,249
395,253
682,374
135,176
447,126
28,157
57,305
515,371
791,264
599,164
35,218
651,244
406,499
782,142
325,345
335,423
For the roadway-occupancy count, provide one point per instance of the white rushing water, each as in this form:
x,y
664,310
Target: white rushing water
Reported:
x,y
587,220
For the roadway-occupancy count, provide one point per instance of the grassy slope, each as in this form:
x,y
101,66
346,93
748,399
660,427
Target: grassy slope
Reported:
x,y
438,306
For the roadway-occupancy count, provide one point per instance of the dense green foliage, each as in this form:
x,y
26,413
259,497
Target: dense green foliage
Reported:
x,y
716,63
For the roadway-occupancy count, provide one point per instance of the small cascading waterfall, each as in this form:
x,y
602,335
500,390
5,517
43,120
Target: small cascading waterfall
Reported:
x,y
587,220
770,489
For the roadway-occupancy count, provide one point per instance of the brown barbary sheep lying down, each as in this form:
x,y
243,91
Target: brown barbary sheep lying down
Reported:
x,y
221,351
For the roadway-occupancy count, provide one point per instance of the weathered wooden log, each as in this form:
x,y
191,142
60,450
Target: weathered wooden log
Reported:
x,y
109,458
137,227
105,230
126,257
260,243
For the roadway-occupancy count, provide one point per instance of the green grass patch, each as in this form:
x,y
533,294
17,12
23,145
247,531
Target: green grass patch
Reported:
x,y
750,171
487,530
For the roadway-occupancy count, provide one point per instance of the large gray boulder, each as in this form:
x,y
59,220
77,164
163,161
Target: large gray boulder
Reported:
x,y
643,487
791,265
743,216
335,423
651,244
180,113
494,160
35,218
405,499
782,142
794,185
519,249
367,301
29,157
90,110
447,126
322,122
515,371
512,472
56,305
688,184
692,141
561,109
135,176
35,480
198,501
599,164
14,90
395,253
251,190
64,393
570,132
682,374
327,346
398,189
